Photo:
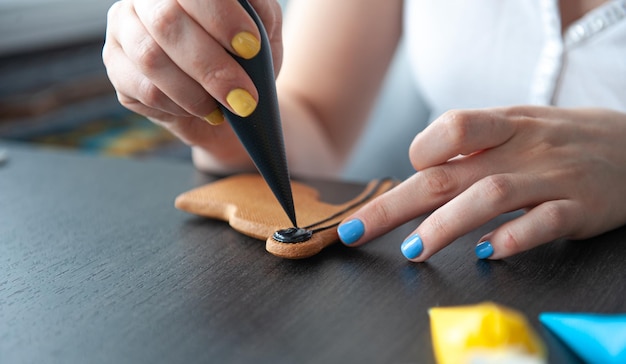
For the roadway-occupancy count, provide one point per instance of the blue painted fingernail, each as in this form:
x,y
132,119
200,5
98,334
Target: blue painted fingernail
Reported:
x,y
412,246
484,250
351,231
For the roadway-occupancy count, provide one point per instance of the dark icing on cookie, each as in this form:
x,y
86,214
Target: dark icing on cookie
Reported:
x,y
292,235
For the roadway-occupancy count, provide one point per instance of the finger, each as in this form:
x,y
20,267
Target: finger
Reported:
x,y
142,109
196,132
546,222
141,49
400,204
128,80
483,201
415,196
197,54
190,130
460,132
421,193
228,23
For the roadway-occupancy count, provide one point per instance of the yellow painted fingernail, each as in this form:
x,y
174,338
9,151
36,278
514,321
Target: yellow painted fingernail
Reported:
x,y
215,118
246,45
242,103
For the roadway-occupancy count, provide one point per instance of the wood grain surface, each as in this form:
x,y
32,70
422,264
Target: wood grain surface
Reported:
x,y
97,266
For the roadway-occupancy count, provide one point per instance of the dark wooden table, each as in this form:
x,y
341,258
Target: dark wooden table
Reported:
x,y
97,266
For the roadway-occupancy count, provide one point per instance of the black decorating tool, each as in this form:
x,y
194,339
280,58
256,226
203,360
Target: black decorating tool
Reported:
x,y
261,132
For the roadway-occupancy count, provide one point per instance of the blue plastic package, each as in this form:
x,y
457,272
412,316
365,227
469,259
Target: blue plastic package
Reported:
x,y
596,338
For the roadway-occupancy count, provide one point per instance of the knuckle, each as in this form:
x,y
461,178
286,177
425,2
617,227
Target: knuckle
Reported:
x,y
515,111
125,101
218,73
150,95
438,226
554,219
164,17
496,189
439,182
149,54
199,104
381,213
129,103
456,124
107,57
510,243
113,10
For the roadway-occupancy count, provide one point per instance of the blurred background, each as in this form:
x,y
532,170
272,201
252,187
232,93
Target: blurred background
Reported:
x,y
54,93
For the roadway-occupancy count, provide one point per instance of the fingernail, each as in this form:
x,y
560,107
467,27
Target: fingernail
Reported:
x,y
351,231
215,118
484,250
412,246
246,45
242,103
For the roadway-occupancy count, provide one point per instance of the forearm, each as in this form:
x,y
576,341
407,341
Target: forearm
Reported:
x,y
336,57
310,150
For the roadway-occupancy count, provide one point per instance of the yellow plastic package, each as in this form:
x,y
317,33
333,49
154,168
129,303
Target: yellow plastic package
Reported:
x,y
483,333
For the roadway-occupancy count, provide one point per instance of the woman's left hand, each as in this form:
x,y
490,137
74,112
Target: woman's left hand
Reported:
x,y
565,167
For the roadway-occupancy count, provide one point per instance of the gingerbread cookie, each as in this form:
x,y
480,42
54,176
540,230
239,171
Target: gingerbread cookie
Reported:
x,y
247,203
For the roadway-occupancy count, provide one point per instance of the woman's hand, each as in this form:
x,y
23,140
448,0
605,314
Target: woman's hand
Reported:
x,y
171,61
565,167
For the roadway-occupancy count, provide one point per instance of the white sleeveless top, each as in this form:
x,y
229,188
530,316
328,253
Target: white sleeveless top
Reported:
x,y
482,53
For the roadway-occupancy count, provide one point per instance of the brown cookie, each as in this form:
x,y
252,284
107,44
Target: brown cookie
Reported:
x,y
247,203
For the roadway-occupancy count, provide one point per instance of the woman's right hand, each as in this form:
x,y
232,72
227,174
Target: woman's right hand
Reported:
x,y
171,61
